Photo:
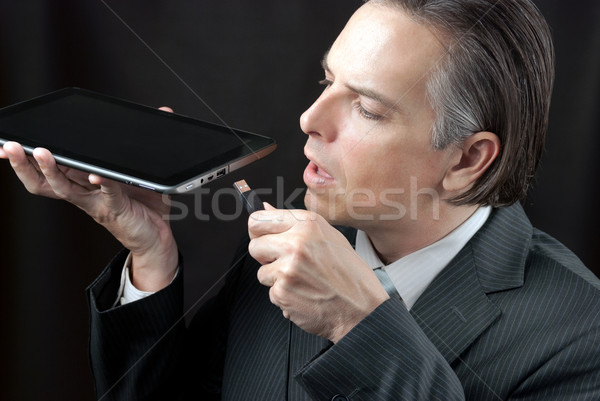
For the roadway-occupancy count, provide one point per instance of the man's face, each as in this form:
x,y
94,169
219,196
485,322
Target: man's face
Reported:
x,y
369,133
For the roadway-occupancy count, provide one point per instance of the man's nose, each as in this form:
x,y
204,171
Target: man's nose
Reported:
x,y
320,118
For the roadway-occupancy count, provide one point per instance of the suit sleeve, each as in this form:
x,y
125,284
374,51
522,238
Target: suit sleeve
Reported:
x,y
385,357
388,357
571,374
144,350
134,348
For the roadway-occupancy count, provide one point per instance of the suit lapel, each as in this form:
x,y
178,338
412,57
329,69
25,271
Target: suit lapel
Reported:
x,y
455,309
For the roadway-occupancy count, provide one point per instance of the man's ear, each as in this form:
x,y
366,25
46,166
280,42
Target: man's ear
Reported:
x,y
475,156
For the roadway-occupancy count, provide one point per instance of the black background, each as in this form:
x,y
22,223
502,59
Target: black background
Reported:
x,y
255,65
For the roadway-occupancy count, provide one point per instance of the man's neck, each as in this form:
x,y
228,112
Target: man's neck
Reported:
x,y
397,239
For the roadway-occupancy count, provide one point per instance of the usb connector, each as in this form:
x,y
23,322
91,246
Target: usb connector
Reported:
x,y
249,197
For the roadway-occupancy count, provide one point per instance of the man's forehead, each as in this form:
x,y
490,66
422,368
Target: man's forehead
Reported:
x,y
383,49
379,33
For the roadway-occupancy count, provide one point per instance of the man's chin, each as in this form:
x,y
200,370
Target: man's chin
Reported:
x,y
310,201
324,209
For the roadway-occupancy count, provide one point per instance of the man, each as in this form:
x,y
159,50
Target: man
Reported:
x,y
426,135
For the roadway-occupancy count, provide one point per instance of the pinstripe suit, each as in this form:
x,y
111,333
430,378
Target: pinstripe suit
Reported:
x,y
515,315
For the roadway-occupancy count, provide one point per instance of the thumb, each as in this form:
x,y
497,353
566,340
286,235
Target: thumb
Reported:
x,y
112,193
268,206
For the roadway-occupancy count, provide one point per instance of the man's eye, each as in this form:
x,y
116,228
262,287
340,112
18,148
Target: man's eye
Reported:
x,y
366,114
326,82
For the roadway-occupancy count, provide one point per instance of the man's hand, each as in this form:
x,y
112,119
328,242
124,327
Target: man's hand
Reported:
x,y
316,278
133,215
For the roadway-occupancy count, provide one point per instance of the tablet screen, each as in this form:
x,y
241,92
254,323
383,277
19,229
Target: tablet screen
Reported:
x,y
126,137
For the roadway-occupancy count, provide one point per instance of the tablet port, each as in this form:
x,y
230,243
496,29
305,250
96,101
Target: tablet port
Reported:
x,y
147,187
221,173
210,177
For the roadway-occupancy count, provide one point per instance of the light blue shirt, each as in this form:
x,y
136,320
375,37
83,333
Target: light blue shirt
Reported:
x,y
413,273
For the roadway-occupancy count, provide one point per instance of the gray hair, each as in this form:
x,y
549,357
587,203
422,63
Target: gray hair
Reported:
x,y
496,75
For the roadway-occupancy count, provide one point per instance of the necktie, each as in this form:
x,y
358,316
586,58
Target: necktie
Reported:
x,y
386,282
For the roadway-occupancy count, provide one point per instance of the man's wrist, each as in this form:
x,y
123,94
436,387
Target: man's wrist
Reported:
x,y
153,272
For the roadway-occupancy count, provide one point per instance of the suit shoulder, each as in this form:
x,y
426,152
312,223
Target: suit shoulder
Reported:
x,y
550,254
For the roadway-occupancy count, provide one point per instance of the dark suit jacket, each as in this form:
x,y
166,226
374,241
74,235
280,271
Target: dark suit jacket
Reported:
x,y
515,315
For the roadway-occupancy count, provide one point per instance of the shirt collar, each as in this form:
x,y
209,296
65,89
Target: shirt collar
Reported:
x,y
412,273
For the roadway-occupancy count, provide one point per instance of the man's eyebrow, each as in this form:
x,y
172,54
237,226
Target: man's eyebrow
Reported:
x,y
366,92
378,97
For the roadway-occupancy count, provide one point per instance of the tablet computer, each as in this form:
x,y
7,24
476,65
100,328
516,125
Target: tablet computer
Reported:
x,y
129,142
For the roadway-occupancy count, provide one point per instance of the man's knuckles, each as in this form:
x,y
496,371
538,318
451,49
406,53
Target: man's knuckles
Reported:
x,y
278,296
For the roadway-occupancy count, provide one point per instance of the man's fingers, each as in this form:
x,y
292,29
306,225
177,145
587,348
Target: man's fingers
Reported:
x,y
60,184
270,273
27,170
268,206
275,221
112,192
15,153
265,249
266,275
78,177
3,154
165,108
